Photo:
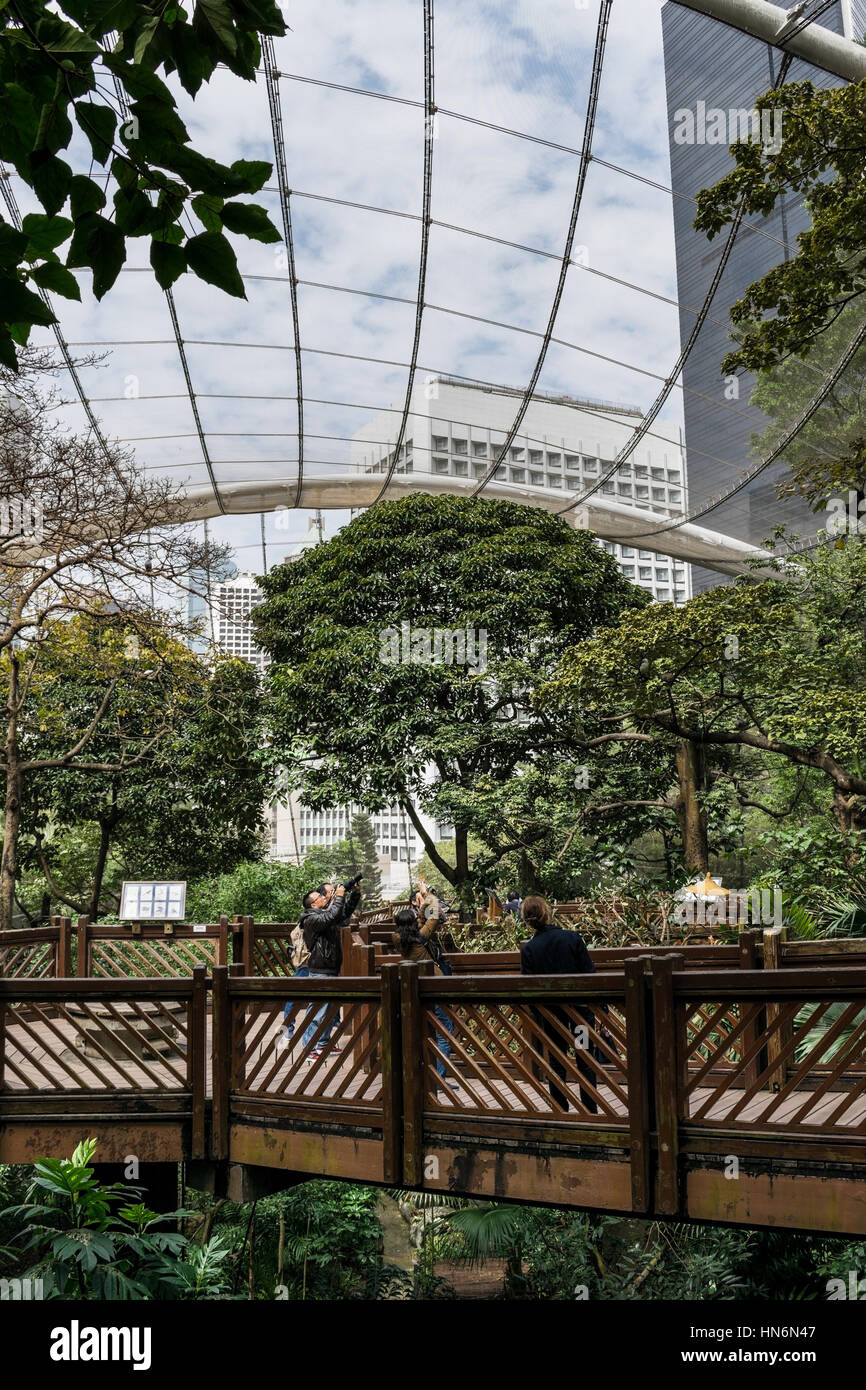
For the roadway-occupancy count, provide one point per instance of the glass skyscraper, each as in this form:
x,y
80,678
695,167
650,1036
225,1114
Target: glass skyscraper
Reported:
x,y
714,65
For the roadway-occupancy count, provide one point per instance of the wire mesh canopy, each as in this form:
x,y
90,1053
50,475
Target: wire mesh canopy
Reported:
x,y
500,218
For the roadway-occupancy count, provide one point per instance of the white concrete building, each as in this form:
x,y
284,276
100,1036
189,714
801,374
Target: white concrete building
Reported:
x,y
456,430
231,603
295,829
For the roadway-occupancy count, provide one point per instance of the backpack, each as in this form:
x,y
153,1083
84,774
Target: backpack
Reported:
x,y
300,953
434,950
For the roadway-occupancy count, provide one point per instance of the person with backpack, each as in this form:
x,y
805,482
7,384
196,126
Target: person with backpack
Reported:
x,y
318,936
417,942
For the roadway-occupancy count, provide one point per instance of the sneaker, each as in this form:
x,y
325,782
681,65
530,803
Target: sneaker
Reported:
x,y
315,1055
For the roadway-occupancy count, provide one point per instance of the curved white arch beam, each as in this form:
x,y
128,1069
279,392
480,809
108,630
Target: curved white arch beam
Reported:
x,y
814,44
610,520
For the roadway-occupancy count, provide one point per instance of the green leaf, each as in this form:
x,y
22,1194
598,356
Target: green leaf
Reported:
x,y
12,245
44,233
50,178
219,17
207,208
99,124
85,195
98,244
20,305
19,119
146,33
211,258
250,175
104,15
55,128
168,261
57,36
265,16
135,215
249,220
193,62
8,355
53,276
138,81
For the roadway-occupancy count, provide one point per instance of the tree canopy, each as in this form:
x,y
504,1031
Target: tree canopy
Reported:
x,y
94,66
820,157
362,707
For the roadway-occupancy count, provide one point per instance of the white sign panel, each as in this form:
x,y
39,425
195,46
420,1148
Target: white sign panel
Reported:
x,y
156,901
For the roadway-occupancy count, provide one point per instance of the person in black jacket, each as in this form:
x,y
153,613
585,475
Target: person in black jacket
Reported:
x,y
554,951
325,912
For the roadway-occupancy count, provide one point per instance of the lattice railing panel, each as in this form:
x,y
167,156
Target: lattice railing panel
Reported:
x,y
145,957
545,1060
787,1065
35,960
320,1050
95,1045
272,956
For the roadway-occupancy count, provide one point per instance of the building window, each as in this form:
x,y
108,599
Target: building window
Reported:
x,y
537,479
479,450
628,571
394,853
478,470
459,446
645,572
553,481
516,455
440,441
663,595
590,465
518,475
461,468
627,552
607,487
572,461
554,460
658,474
440,465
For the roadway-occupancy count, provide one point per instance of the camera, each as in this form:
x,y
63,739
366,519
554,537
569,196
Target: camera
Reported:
x,y
352,882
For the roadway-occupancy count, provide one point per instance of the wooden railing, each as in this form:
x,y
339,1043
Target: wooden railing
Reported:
x,y
617,1091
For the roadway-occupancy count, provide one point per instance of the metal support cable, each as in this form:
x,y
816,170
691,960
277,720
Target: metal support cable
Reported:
x,y
629,447
662,397
426,198
778,449
181,348
273,86
588,131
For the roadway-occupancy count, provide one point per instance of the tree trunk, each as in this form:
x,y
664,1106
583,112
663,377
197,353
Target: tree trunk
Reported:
x,y
691,815
461,867
105,829
9,862
849,813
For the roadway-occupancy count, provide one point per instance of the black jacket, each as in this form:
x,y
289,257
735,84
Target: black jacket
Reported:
x,y
556,952
321,928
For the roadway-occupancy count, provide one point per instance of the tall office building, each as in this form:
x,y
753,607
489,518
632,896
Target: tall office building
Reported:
x,y
710,66
456,429
231,603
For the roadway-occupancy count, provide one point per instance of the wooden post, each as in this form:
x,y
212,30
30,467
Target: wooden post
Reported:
x,y
412,1057
774,938
223,944
748,960
247,937
221,1063
392,1077
198,1057
82,969
639,1045
63,959
665,1072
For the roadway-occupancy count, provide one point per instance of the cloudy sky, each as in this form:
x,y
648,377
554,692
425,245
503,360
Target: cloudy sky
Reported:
x,y
523,64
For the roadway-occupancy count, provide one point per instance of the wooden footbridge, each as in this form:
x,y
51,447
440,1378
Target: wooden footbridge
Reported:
x,y
698,1082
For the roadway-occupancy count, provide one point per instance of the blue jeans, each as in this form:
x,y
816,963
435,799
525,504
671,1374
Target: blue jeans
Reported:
x,y
442,1043
290,1025
320,1014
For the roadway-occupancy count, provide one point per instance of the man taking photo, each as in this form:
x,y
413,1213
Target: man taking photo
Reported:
x,y
326,910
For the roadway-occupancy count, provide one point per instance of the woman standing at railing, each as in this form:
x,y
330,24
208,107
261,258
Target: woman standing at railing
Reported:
x,y
554,951
417,942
